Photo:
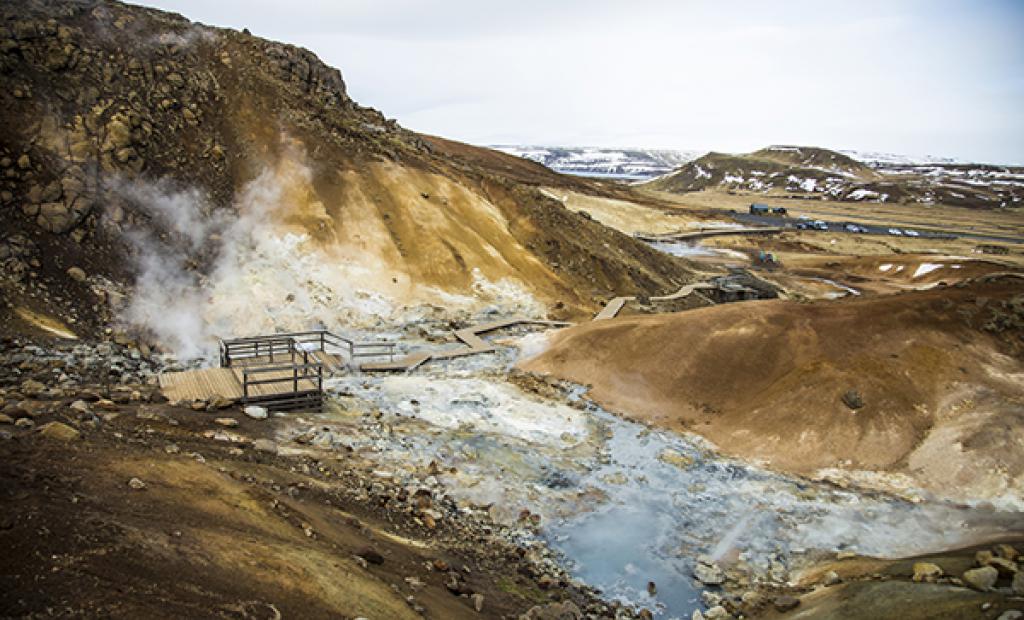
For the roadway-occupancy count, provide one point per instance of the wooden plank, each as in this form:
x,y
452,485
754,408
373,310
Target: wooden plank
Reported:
x,y
200,384
612,308
405,364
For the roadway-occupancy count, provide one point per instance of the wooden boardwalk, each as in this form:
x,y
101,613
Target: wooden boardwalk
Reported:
x,y
209,383
470,336
613,307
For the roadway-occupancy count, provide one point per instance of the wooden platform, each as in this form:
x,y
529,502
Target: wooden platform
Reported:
x,y
209,383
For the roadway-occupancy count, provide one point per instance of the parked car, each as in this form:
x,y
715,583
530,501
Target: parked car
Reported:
x,y
778,210
911,233
802,225
896,231
759,209
854,228
819,225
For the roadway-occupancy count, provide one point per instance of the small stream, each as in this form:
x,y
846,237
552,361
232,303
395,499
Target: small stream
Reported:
x,y
626,504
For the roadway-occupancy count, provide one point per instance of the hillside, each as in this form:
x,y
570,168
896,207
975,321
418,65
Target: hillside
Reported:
x,y
930,373
814,173
153,167
623,164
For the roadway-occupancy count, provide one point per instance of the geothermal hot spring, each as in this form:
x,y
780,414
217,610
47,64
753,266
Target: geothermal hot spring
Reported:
x,y
624,504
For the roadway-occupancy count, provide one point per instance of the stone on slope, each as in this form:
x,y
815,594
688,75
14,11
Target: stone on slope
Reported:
x,y
58,431
981,579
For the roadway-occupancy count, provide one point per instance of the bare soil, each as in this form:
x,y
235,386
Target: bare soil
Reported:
x,y
937,371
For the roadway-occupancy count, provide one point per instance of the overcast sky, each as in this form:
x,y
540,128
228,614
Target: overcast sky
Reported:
x,y
913,77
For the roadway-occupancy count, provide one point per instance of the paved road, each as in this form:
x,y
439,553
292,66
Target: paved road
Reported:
x,y
872,229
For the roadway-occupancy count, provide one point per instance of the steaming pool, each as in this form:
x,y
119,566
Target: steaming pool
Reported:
x,y
625,504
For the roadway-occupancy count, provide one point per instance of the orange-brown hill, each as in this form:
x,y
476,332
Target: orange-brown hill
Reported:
x,y
102,97
939,373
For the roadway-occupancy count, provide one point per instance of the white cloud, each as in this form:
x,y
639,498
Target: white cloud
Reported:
x,y
913,77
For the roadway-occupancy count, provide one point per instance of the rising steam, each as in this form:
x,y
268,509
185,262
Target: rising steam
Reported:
x,y
244,270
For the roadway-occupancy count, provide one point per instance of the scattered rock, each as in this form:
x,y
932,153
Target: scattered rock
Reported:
x,y
927,572
566,610
832,578
136,484
478,602
31,387
265,445
678,459
219,402
25,423
58,431
371,555
853,399
80,406
1006,551
717,613
6,419
1005,567
785,602
708,573
77,274
1018,584
1011,614
228,422
981,579
256,413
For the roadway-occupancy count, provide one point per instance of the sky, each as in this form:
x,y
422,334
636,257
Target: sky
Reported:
x,y
913,77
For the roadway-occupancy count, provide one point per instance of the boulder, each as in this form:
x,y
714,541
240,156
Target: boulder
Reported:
x,y
709,573
717,613
981,579
136,484
219,402
58,431
853,399
256,413
785,603
927,572
566,610
228,422
1011,614
1005,567
1006,551
54,217
1017,586
265,445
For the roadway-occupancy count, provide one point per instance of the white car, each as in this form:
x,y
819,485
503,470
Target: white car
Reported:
x,y
911,233
895,231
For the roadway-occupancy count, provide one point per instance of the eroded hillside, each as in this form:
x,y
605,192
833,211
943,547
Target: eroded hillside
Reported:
x,y
149,162
924,385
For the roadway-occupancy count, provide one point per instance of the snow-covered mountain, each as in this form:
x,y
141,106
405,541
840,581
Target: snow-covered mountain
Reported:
x,y
809,172
626,164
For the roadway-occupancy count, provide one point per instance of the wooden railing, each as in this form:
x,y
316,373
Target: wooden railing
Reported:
x,y
302,395
289,345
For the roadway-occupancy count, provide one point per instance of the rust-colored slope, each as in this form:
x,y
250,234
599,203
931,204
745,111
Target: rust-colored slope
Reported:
x,y
765,379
